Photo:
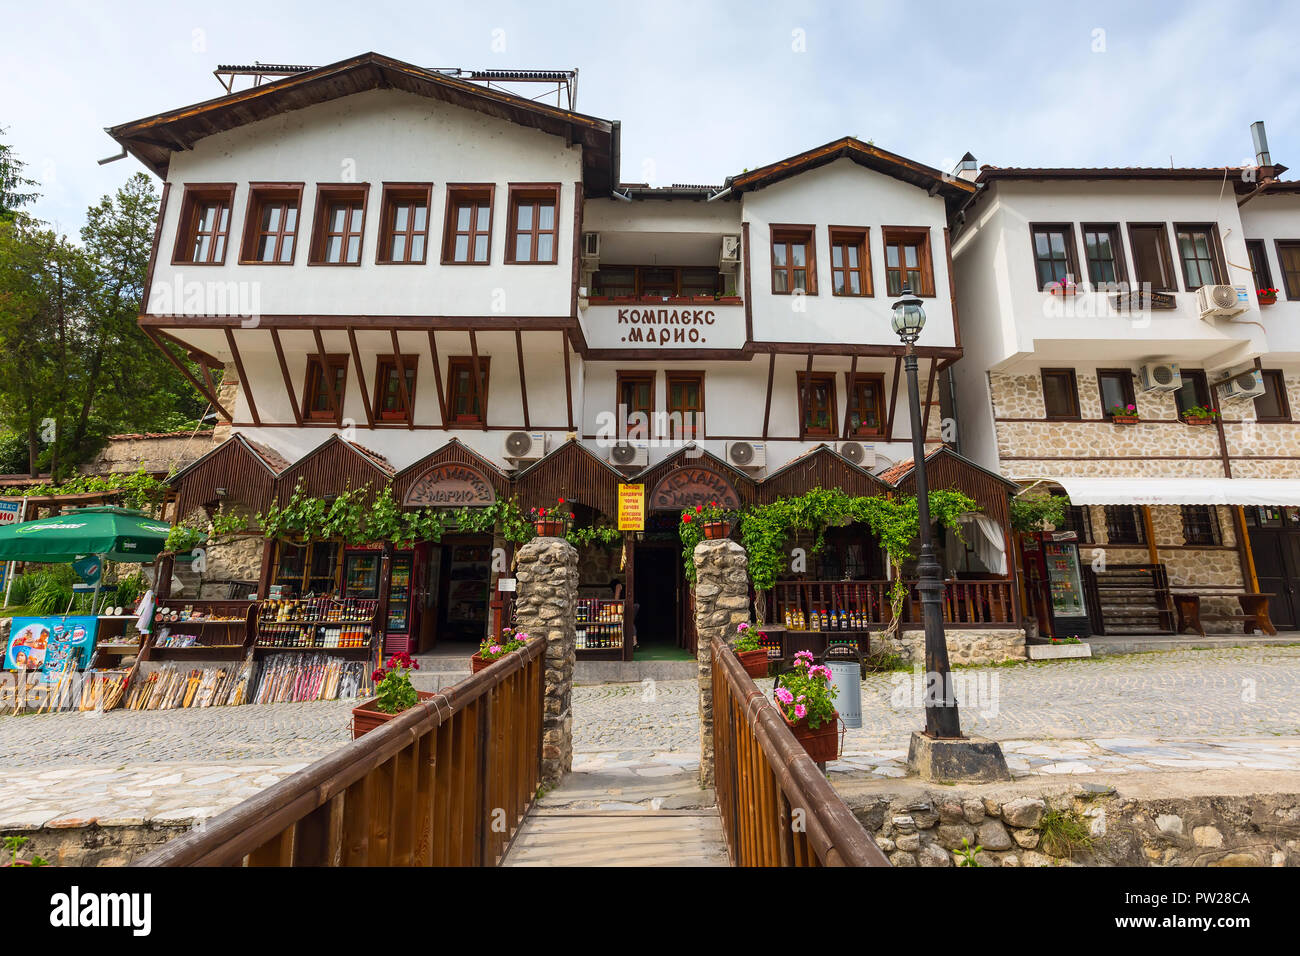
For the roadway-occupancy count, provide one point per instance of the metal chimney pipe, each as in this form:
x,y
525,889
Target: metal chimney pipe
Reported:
x,y
1261,144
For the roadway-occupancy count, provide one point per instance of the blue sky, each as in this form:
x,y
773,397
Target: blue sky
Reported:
x,y
705,89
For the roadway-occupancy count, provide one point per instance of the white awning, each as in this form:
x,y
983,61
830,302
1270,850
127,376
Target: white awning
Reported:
x,y
1182,491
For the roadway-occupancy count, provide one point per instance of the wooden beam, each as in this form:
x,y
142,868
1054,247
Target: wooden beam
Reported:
x,y
767,407
803,398
848,398
568,380
893,396
437,377
1153,553
181,367
523,385
284,371
401,380
929,398
327,380
1244,550
477,384
361,378
243,378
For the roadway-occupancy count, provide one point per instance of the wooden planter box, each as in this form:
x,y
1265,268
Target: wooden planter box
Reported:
x,y
1198,421
1267,300
714,530
478,663
368,716
1125,419
822,744
754,662
550,528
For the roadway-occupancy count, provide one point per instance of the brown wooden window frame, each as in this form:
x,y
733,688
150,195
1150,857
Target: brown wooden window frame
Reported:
x,y
1117,252
473,195
399,194
313,382
327,195
304,580
1074,390
1218,268
805,381
1078,519
906,236
535,193
1201,527
1071,252
260,197
1197,378
852,384
635,377
1290,287
689,429
1275,380
386,365
791,234
455,364
1112,514
848,237
1260,270
197,197
1166,257
1125,377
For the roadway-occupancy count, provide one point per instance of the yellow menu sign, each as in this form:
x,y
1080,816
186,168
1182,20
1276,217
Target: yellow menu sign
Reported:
x,y
631,507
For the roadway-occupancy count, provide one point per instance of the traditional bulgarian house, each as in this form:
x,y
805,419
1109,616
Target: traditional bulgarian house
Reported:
x,y
416,279
1121,347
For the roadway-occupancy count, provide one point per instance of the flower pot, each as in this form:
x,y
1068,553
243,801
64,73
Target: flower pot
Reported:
x,y
478,662
716,529
754,662
822,744
1267,299
1125,419
550,528
1197,421
366,717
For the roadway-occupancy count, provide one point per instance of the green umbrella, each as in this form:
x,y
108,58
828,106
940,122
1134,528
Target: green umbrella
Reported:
x,y
115,534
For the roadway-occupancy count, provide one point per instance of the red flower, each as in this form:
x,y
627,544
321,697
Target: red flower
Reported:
x,y
686,519
571,517
561,501
699,508
378,675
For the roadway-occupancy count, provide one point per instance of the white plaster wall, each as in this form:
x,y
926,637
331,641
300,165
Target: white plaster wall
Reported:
x,y
843,193
375,137
1272,217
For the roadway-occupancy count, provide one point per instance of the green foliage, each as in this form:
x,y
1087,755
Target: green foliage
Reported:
x,y
807,691
504,515
129,588
15,843
747,638
966,855
1064,833
139,489
1035,512
182,538
51,591
602,534
394,691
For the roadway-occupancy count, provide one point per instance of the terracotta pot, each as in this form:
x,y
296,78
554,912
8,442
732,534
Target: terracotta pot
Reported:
x,y
754,662
366,717
1198,421
550,528
1125,419
822,744
1267,299
716,529
478,663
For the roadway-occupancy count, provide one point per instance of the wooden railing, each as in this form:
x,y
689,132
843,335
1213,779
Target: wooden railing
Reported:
x,y
445,783
777,808
971,603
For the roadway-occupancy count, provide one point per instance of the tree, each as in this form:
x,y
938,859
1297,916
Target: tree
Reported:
x,y
15,188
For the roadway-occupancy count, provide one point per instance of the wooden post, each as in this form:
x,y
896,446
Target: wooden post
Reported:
x,y
385,587
1248,572
1153,553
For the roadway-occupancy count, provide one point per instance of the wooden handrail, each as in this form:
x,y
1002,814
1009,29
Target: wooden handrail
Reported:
x,y
444,783
777,807
966,602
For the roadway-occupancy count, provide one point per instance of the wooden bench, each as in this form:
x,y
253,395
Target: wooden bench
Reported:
x,y
1254,609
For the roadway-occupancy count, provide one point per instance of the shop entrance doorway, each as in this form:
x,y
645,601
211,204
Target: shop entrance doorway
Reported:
x,y
659,591
454,592
1275,543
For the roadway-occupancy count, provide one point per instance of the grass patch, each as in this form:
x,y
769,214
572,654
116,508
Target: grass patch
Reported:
x,y
884,662
1064,833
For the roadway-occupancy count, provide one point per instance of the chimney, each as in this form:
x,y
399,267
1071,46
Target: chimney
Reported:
x,y
967,169
1260,138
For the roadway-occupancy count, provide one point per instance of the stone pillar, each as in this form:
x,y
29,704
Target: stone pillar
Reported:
x,y
546,603
228,395
721,602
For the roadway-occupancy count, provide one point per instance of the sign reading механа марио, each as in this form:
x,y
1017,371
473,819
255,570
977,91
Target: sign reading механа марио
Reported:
x,y
683,326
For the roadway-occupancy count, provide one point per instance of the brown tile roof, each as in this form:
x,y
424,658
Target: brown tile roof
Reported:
x,y
201,433
274,460
380,461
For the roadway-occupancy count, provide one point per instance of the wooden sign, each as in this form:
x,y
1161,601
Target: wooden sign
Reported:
x,y
631,507
450,484
691,486
1139,301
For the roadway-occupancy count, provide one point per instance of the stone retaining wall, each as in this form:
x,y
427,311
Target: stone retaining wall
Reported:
x,y
974,646
88,843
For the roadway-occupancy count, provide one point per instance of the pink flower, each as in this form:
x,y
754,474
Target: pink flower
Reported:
x,y
494,649
784,696
742,626
800,711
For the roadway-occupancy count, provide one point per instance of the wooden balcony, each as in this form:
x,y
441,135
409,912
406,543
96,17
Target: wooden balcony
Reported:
x,y
966,603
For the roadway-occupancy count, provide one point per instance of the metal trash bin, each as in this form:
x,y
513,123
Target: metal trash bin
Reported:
x,y
846,675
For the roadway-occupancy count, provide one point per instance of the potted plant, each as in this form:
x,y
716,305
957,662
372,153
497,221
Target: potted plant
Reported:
x,y
394,693
1124,414
1065,287
806,700
1200,415
715,518
1266,296
749,649
553,521
493,649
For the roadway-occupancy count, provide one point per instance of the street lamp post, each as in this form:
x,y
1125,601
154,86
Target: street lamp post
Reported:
x,y
941,717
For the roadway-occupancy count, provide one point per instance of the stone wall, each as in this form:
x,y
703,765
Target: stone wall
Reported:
x,y
546,604
721,602
974,646
76,842
228,394
156,453
1012,826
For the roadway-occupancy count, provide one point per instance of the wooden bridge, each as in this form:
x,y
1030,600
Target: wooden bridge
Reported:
x,y
455,781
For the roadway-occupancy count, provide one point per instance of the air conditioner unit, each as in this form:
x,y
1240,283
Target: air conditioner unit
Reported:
x,y
729,259
525,446
1248,384
860,453
1214,300
747,454
1160,377
629,454
591,246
